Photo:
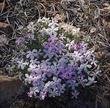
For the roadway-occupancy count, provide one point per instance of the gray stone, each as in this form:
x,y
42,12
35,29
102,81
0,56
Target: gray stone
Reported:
x,y
9,87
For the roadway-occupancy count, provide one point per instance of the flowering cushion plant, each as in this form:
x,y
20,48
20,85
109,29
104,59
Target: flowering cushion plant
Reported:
x,y
55,60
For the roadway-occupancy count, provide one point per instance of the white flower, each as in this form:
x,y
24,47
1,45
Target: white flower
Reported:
x,y
28,78
32,67
34,61
31,27
53,24
69,45
22,64
43,20
52,28
52,31
91,80
77,56
94,62
33,91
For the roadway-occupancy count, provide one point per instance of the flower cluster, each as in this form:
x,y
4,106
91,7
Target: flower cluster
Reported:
x,y
60,63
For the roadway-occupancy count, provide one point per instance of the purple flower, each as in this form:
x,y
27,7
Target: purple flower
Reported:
x,y
67,72
32,54
30,35
53,48
61,63
20,40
